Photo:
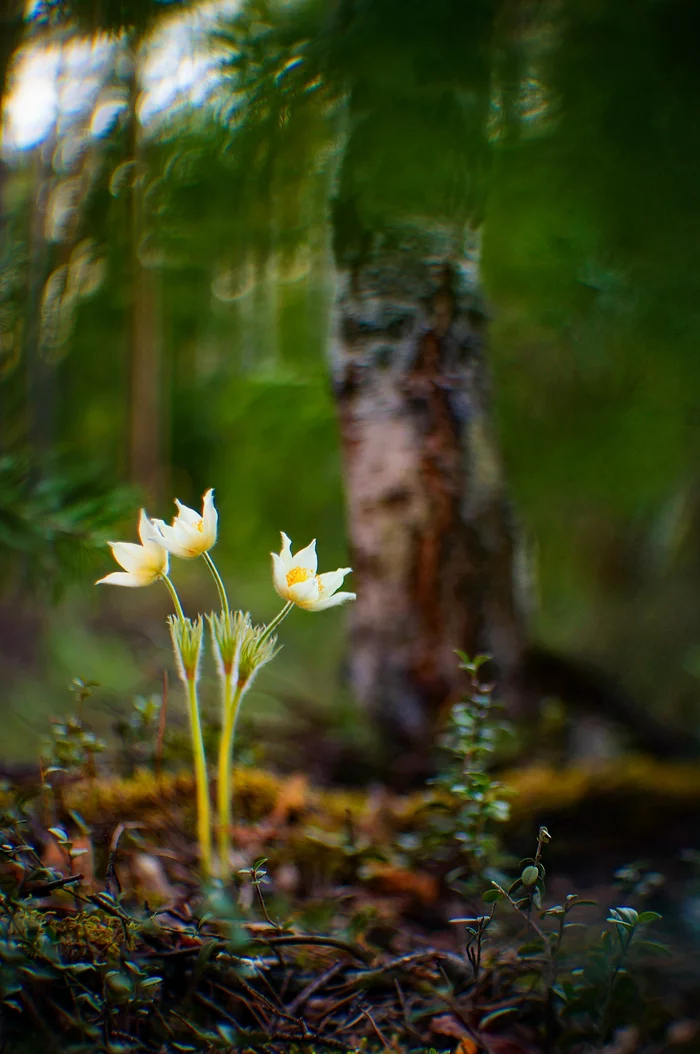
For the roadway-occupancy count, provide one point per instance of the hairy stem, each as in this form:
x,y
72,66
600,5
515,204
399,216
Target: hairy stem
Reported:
x,y
173,594
231,706
219,582
201,782
272,626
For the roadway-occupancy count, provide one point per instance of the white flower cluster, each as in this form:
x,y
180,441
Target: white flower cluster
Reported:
x,y
193,534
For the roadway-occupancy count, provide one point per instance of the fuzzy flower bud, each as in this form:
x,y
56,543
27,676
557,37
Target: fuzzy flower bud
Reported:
x,y
187,642
240,647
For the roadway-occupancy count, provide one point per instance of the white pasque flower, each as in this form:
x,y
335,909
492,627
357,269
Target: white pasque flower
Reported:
x,y
191,534
143,564
295,579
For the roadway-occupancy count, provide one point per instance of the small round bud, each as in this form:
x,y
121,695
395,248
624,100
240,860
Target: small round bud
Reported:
x,y
529,875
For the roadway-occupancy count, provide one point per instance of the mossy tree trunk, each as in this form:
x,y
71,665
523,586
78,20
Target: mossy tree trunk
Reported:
x,y
431,537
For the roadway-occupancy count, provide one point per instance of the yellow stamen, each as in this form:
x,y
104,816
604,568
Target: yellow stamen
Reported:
x,y
200,525
298,574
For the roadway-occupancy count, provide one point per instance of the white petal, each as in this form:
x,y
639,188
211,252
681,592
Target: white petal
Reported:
x,y
192,542
279,576
307,558
304,593
332,580
331,602
151,540
186,514
286,552
185,532
210,519
147,531
123,578
157,556
130,556
171,540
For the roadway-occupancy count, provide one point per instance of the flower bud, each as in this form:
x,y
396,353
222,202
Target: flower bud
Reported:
x,y
187,642
241,648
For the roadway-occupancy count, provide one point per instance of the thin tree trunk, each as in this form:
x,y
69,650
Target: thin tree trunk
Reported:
x,y
11,33
432,545
40,372
146,427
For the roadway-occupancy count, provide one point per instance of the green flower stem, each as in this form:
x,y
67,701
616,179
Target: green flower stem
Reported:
x,y
277,619
201,782
232,705
175,598
219,582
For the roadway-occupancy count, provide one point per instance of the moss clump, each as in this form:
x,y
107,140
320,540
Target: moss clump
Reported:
x,y
328,835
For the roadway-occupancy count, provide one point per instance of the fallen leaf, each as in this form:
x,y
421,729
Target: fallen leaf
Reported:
x,y
447,1025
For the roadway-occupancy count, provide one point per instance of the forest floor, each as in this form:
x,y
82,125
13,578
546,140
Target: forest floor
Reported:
x,y
346,936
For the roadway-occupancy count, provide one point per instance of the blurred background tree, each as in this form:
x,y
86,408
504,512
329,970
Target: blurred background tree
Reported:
x,y
226,197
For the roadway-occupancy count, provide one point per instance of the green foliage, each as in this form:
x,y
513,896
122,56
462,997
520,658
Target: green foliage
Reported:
x,y
53,518
590,255
477,801
586,989
138,732
73,746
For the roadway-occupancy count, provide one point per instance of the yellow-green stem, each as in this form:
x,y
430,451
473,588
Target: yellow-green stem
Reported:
x,y
201,782
175,598
219,582
231,705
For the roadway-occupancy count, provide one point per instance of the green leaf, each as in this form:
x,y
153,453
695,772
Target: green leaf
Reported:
x,y
90,999
118,983
648,916
532,948
654,946
79,821
38,973
151,982
492,895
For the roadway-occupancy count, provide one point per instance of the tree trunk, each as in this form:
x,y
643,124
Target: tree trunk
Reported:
x,y
11,32
431,539
146,424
